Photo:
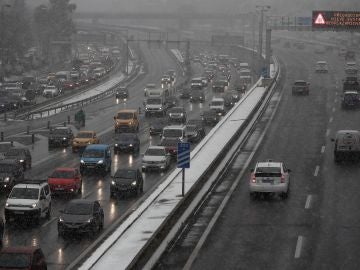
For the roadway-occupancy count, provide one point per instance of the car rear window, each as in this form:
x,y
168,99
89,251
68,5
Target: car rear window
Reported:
x,y
14,260
78,208
268,172
62,174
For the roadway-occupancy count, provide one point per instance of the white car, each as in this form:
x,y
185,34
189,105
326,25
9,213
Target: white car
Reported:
x,y
270,177
29,200
218,105
321,67
156,157
51,91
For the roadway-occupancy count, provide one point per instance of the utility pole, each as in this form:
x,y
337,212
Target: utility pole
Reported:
x,y
2,37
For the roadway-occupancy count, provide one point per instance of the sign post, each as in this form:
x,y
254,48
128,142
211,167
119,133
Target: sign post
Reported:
x,y
183,161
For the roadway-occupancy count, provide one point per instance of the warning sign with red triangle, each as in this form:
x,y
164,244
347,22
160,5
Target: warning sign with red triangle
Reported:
x,y
319,19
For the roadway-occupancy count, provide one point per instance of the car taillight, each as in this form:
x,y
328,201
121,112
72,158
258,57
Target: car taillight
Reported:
x,y
282,179
253,178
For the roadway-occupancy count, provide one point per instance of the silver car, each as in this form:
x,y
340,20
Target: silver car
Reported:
x,y
270,177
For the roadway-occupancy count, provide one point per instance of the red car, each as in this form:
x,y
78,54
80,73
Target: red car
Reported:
x,y
28,258
67,85
65,180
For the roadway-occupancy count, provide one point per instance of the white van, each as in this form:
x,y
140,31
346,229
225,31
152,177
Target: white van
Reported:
x,y
347,145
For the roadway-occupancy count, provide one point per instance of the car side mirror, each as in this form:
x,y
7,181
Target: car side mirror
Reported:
x,y
114,118
332,139
289,170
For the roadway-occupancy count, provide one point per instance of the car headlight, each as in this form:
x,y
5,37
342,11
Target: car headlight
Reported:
x,y
6,204
130,145
181,114
34,205
160,108
170,114
116,144
82,161
113,182
100,161
21,160
7,179
64,138
61,219
89,220
133,183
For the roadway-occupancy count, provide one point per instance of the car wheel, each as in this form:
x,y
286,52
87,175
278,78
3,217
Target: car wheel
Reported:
x,y
101,224
48,213
285,195
82,171
79,191
142,188
7,218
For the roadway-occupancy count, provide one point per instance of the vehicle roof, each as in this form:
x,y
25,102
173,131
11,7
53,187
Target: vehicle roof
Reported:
x,y
82,201
61,128
67,169
349,131
97,146
127,110
156,147
351,92
86,131
175,127
19,249
300,81
268,164
217,99
31,184
321,62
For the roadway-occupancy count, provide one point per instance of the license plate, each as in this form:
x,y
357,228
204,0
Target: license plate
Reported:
x,y
19,212
268,180
91,166
59,188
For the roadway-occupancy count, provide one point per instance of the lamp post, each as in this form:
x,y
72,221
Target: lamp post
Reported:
x,y
2,37
262,9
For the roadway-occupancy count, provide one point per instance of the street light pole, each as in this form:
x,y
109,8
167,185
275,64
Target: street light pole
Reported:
x,y
2,37
262,9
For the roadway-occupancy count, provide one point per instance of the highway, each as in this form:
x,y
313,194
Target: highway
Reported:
x,y
317,226
59,252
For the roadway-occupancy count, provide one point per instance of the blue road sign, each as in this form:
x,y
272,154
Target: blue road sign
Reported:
x,y
183,155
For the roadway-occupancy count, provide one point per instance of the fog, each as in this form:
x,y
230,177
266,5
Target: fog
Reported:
x,y
278,7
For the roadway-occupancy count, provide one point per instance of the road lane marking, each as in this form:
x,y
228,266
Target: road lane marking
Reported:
x,y
327,132
331,119
333,109
323,149
336,100
317,170
298,248
88,194
49,222
308,201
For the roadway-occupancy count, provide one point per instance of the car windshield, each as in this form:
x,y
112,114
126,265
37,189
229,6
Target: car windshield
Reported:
x,y
153,101
59,131
14,260
62,174
217,103
125,137
4,168
209,113
177,110
14,152
299,83
150,86
268,172
125,115
127,174
92,153
24,193
351,97
78,208
172,133
155,152
84,135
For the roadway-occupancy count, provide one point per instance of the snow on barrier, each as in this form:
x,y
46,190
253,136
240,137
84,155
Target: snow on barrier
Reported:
x,y
178,55
123,247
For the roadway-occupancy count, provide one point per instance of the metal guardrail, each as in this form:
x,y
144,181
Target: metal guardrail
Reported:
x,y
54,110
